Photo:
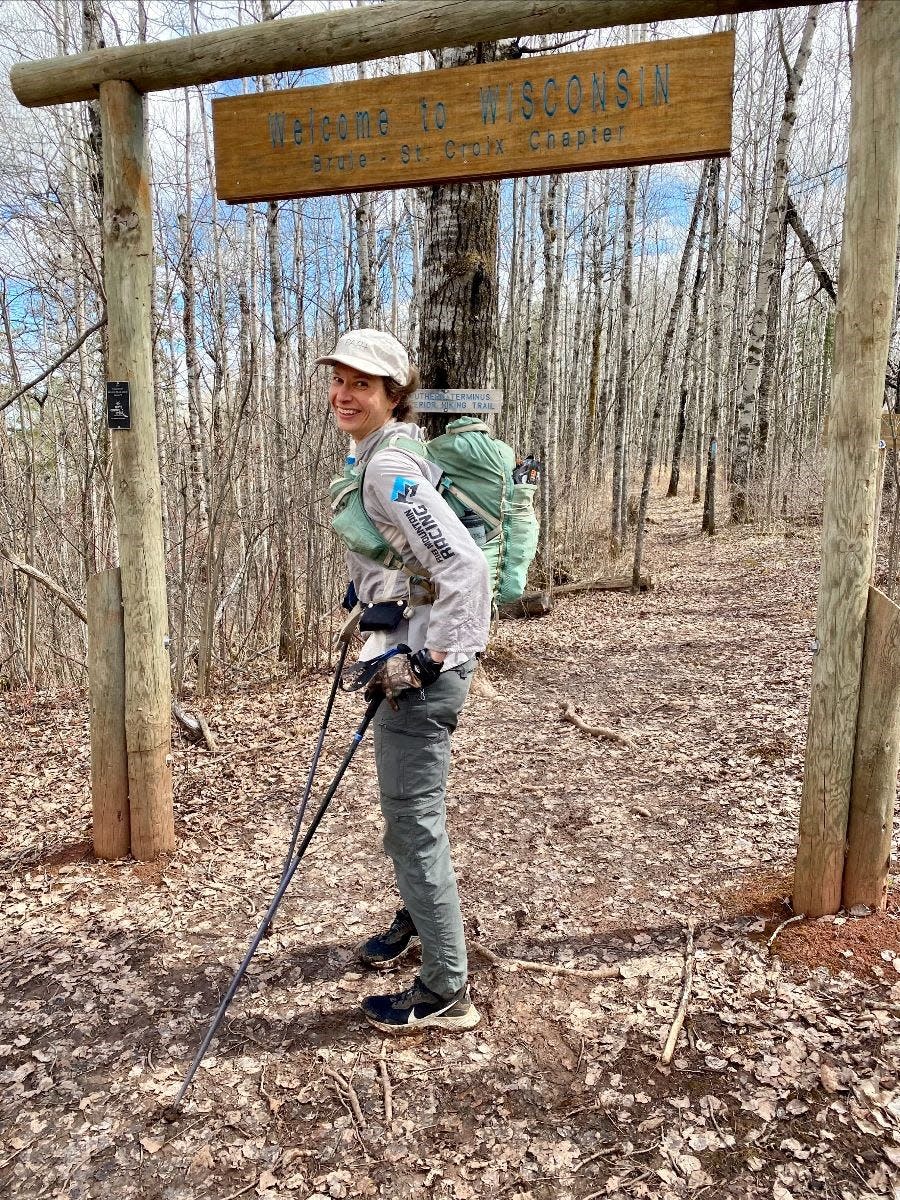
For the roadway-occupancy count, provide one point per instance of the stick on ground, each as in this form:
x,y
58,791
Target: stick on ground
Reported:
x,y
569,714
523,964
783,925
687,981
386,1085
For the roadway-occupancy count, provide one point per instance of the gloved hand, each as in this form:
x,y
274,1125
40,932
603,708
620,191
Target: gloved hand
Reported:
x,y
403,671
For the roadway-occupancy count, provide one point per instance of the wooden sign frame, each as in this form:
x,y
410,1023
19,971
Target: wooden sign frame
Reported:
x,y
618,106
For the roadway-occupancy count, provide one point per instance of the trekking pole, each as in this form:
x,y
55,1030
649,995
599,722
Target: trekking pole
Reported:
x,y
171,1112
304,800
362,673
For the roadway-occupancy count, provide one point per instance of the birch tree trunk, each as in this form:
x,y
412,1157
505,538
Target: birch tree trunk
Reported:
x,y
617,520
716,262
281,496
691,355
365,244
742,469
667,347
543,410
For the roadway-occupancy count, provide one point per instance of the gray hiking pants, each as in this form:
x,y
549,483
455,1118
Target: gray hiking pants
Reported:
x,y
412,754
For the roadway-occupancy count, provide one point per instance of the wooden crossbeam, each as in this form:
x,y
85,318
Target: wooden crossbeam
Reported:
x,y
343,36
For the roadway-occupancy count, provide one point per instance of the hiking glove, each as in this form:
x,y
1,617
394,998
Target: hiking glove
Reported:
x,y
404,671
425,667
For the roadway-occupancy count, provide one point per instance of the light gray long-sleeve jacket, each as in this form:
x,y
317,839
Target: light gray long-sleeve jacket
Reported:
x,y
401,499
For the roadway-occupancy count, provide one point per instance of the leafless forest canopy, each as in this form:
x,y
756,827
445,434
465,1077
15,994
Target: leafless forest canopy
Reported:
x,y
664,327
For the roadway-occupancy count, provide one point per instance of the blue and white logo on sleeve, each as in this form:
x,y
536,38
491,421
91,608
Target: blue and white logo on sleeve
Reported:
x,y
404,489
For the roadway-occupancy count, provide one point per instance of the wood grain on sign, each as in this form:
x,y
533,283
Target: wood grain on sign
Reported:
x,y
650,102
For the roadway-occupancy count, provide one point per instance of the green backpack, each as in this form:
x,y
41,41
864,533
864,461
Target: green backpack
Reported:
x,y
477,482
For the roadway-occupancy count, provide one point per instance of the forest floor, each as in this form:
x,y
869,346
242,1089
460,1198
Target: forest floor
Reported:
x,y
586,853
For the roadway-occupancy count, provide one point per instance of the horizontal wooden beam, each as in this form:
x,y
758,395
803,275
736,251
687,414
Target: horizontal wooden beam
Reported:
x,y
341,36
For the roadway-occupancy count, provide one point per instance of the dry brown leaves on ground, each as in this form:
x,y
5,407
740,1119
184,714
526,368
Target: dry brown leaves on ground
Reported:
x,y
584,852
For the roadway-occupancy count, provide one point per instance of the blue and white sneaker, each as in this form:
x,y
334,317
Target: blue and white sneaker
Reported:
x,y
384,949
421,1008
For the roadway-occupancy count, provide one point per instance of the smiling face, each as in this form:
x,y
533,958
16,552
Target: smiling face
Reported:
x,y
359,401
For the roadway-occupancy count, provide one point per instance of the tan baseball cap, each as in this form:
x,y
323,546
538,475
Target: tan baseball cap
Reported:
x,y
372,351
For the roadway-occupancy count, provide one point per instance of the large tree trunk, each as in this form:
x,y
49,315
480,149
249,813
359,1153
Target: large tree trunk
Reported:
x,y
459,278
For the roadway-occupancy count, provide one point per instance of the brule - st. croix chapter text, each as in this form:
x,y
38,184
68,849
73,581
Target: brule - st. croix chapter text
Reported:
x,y
654,100
340,141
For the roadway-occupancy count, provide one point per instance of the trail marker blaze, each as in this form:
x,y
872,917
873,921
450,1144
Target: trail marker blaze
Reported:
x,y
646,102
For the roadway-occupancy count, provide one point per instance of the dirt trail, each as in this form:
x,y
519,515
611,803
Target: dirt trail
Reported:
x,y
585,853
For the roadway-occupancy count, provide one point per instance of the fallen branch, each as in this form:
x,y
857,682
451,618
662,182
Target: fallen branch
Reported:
x,y
604,583
524,964
569,714
344,1085
386,1088
687,981
195,727
51,585
783,925
211,744
537,604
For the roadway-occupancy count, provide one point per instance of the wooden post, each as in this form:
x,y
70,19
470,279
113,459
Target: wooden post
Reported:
x,y
864,311
109,757
876,759
127,275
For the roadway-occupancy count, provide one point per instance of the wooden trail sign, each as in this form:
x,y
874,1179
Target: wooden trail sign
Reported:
x,y
648,102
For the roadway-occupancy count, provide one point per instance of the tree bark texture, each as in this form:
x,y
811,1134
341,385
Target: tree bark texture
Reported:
x,y
623,375
668,345
692,352
864,312
742,466
543,402
127,273
716,263
459,282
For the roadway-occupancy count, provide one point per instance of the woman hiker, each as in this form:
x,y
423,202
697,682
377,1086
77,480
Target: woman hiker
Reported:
x,y
443,620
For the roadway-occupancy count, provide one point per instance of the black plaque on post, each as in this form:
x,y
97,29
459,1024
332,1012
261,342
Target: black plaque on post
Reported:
x,y
118,405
